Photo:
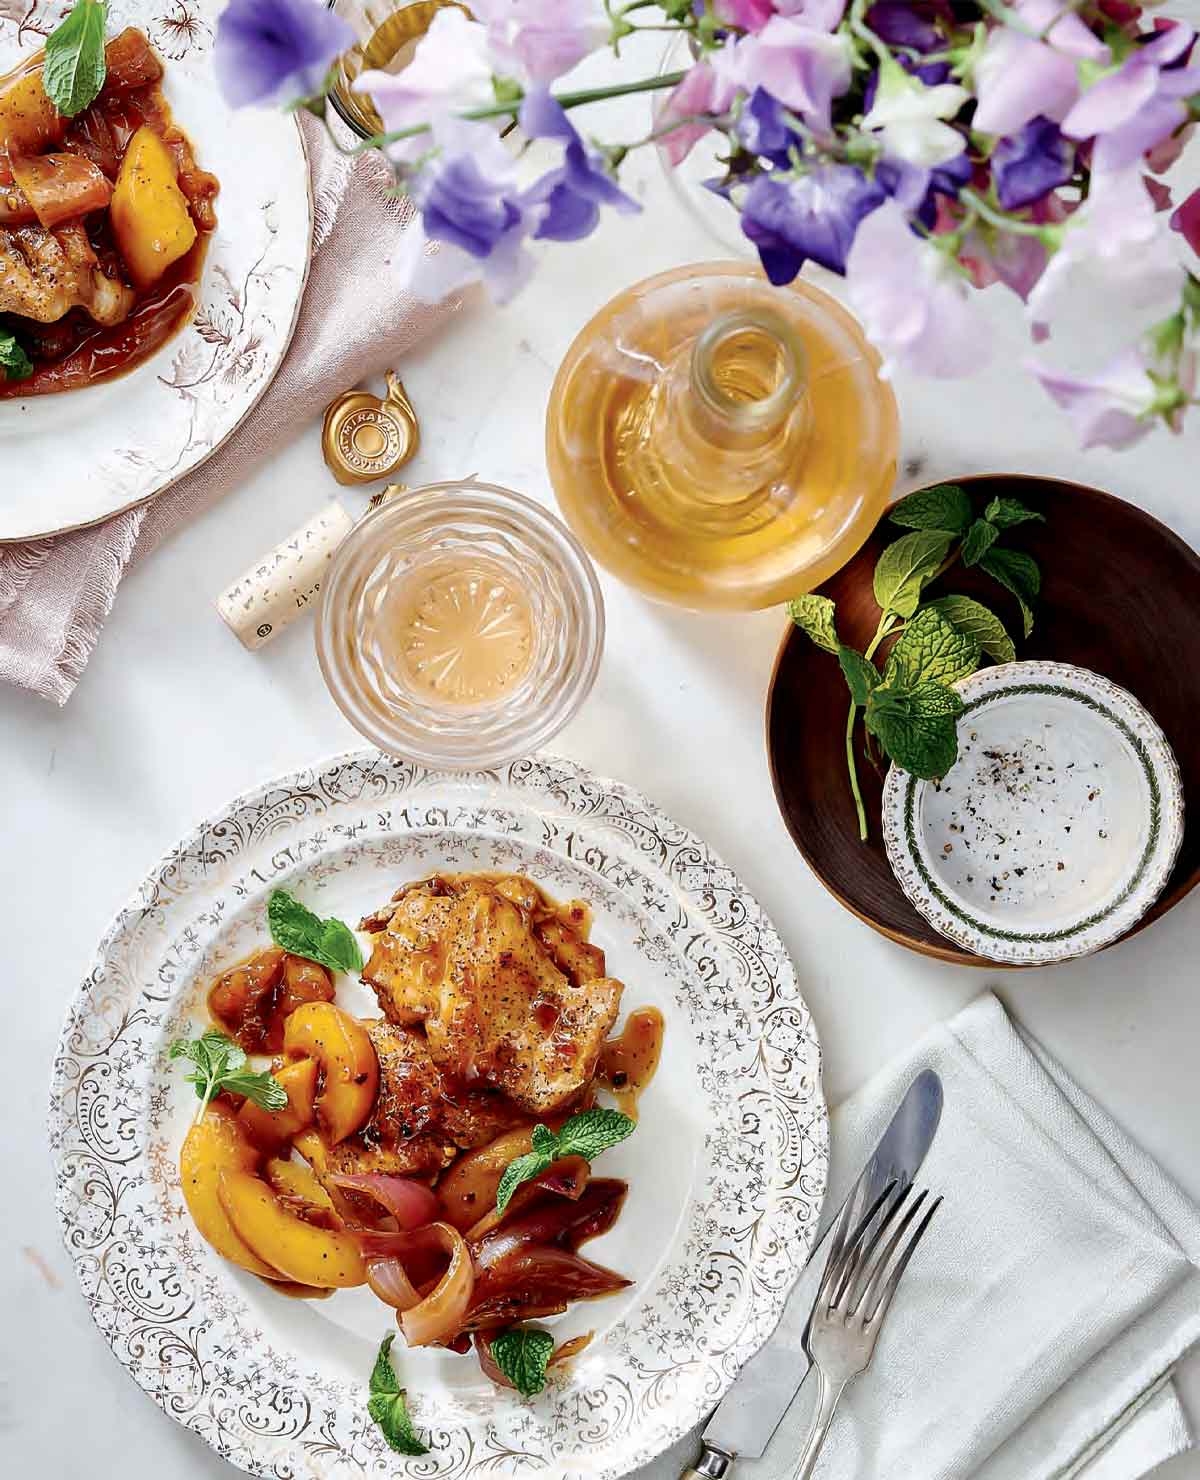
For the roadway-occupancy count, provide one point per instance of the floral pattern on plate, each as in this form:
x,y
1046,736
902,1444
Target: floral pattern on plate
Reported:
x,y
713,1234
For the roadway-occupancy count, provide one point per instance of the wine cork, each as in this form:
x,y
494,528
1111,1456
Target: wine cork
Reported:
x,y
284,583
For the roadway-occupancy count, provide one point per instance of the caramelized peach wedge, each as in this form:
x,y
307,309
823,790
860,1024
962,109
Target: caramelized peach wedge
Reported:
x,y
215,1144
298,1249
349,1069
272,1129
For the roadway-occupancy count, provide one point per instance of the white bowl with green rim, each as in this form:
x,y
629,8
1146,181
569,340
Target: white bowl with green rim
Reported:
x,y
1057,827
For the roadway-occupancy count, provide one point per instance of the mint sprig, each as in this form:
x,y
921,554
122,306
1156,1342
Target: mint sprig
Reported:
x,y
219,1064
14,362
911,708
586,1135
75,67
301,933
387,1403
523,1353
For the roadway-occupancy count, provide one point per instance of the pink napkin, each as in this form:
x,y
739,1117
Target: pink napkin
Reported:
x,y
354,321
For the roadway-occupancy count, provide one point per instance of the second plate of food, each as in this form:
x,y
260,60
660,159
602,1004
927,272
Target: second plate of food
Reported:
x,y
542,915
162,363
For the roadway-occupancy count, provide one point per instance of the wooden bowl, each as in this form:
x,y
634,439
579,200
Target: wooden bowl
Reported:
x,y
1120,595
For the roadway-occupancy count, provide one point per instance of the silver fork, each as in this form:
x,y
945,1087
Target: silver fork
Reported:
x,y
856,1292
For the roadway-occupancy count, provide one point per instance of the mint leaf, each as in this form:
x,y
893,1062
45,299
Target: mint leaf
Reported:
x,y
980,538
14,362
221,1064
945,507
861,674
974,619
930,650
906,567
523,1169
814,616
1018,573
522,1354
75,68
586,1135
299,931
387,1404
592,1132
1005,512
917,728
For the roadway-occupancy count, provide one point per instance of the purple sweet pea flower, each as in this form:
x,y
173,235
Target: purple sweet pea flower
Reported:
x,y
276,51
1030,164
912,302
800,65
536,41
1016,261
747,15
900,25
1017,77
573,193
1186,220
915,190
793,218
1113,408
763,129
1134,109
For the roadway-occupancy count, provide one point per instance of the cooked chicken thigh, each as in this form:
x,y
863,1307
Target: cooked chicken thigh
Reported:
x,y
507,994
44,274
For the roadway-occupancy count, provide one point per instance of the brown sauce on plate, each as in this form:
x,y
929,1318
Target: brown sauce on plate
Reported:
x,y
628,1062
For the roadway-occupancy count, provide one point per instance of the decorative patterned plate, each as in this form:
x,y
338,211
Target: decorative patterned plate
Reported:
x,y
133,437
727,1170
1057,827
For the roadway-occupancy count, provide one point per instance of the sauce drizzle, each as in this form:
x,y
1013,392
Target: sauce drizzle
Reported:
x,y
628,1062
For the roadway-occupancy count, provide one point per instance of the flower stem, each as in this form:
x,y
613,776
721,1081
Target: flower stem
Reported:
x,y
1002,222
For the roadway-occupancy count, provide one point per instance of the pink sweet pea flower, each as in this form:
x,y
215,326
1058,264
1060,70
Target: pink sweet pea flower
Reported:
x,y
1186,220
1016,261
701,92
1018,78
536,41
802,67
913,305
1116,244
1112,408
753,15
450,72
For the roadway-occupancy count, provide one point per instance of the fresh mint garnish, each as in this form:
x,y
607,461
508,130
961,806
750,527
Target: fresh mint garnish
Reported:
x,y
75,68
814,615
945,507
221,1065
300,932
14,362
388,1406
522,1354
586,1135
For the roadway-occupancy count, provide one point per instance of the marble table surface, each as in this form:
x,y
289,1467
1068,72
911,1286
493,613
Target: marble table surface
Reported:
x,y
172,717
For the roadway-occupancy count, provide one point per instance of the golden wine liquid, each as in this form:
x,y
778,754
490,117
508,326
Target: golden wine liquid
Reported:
x,y
736,484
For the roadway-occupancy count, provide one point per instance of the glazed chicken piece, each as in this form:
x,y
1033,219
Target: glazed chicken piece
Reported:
x,y
421,1120
505,995
44,274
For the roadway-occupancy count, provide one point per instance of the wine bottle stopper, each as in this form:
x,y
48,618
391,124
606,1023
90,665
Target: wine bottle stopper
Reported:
x,y
366,437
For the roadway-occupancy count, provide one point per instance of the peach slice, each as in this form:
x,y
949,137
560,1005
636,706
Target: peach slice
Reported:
x,y
272,1128
299,1250
349,1067
215,1144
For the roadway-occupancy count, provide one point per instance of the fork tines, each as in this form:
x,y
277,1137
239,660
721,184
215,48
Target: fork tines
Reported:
x,y
863,1270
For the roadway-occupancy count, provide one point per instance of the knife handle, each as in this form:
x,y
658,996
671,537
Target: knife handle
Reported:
x,y
712,1464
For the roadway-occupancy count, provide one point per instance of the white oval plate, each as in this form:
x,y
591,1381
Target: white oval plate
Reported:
x,y
76,458
727,1168
1057,827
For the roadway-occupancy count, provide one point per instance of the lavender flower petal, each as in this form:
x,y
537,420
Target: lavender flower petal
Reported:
x,y
815,215
1028,165
271,52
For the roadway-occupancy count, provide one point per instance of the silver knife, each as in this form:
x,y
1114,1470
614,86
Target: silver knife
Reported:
x,y
752,1409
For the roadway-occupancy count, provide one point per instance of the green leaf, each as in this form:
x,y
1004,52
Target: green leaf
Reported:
x,y
906,567
221,1065
522,1354
930,650
916,736
75,67
814,616
945,507
861,674
586,1135
1018,573
973,619
15,363
980,538
388,1406
295,928
1005,512
592,1132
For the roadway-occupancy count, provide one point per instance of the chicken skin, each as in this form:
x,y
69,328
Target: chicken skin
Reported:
x,y
508,992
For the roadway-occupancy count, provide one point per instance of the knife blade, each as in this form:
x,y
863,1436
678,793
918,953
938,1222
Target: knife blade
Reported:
x,y
752,1409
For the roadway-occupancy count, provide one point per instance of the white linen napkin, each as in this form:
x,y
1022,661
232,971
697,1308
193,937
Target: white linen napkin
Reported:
x,y
1035,1330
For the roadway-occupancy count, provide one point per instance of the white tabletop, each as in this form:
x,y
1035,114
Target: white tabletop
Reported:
x,y
172,718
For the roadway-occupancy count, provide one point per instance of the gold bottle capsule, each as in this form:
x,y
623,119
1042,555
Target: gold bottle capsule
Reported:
x,y
365,438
